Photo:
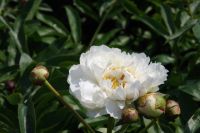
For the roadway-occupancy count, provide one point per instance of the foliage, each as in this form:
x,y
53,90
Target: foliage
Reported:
x,y
54,33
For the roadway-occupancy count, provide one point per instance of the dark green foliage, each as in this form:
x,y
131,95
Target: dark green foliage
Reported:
x,y
55,33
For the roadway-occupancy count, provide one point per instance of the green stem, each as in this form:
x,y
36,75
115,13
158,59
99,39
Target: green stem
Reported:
x,y
59,96
148,126
101,23
111,124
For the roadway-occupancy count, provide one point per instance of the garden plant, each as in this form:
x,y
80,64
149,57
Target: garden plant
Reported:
x,y
99,66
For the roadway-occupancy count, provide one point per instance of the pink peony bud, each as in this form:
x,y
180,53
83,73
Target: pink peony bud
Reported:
x,y
173,108
129,115
39,74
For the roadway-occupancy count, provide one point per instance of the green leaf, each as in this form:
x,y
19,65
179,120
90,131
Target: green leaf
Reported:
x,y
101,120
131,7
6,76
84,8
192,87
175,79
164,59
12,52
26,116
74,23
24,62
105,38
194,6
120,41
13,34
2,56
54,118
28,12
183,29
53,23
155,128
177,125
153,24
8,117
167,17
196,30
62,58
193,123
14,98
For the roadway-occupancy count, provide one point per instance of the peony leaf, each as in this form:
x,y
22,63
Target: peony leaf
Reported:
x,y
192,87
167,17
164,59
74,22
183,29
153,24
86,9
95,121
14,98
26,116
53,22
196,30
193,123
24,62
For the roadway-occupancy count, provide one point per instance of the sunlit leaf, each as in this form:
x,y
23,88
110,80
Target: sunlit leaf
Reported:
x,y
53,22
26,116
193,123
74,22
192,87
24,62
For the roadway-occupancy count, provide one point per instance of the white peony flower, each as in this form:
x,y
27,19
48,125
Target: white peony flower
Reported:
x,y
107,77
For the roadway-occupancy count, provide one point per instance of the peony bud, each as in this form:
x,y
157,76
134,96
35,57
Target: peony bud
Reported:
x,y
10,85
151,105
129,115
39,74
173,108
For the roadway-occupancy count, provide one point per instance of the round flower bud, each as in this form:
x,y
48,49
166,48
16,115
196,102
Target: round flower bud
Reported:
x,y
39,74
10,85
151,105
173,108
129,115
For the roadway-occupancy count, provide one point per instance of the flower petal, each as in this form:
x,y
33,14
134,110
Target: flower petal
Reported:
x,y
158,73
112,108
96,112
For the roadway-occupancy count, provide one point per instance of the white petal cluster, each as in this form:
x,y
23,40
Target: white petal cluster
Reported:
x,y
107,78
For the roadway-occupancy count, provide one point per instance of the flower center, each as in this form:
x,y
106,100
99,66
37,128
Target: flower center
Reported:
x,y
116,76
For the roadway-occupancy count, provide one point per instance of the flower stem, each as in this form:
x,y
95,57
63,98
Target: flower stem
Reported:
x,y
68,106
111,123
101,23
148,126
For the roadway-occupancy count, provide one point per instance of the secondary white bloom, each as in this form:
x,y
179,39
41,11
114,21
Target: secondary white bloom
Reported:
x,y
107,77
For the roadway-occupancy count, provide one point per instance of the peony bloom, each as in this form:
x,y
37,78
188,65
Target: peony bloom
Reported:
x,y
107,78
